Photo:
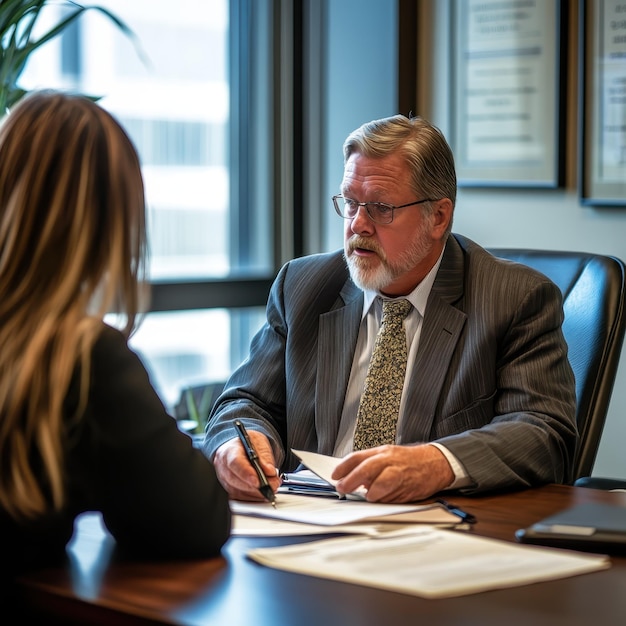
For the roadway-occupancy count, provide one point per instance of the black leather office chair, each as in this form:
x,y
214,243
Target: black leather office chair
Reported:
x,y
594,294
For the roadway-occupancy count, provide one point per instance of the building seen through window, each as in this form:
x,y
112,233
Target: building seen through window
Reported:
x,y
175,105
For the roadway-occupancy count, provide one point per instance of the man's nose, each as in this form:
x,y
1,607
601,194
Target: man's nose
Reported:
x,y
361,222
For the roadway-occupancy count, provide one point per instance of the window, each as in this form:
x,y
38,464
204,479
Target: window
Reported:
x,y
208,197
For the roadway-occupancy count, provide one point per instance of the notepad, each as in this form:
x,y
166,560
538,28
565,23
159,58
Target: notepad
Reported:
x,y
591,527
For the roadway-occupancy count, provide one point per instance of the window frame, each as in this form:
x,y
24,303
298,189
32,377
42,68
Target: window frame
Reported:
x,y
258,28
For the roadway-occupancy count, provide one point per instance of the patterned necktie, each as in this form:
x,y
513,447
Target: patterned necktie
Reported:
x,y
380,403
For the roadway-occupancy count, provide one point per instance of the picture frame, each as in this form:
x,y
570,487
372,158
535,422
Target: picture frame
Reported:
x,y
508,93
602,103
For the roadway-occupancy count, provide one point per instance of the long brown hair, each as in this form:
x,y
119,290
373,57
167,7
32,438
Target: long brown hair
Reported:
x,y
72,246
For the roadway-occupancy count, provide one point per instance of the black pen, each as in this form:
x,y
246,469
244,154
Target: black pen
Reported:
x,y
253,457
466,517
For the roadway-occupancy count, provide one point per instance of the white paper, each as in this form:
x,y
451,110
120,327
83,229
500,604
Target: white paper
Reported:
x,y
322,511
252,526
319,464
323,466
428,562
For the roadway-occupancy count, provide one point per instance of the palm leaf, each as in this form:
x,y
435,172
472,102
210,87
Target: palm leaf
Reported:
x,y
17,21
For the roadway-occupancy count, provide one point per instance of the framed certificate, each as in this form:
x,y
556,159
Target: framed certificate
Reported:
x,y
602,103
507,93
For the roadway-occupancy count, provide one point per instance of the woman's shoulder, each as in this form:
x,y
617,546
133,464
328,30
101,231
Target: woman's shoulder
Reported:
x,y
109,339
111,354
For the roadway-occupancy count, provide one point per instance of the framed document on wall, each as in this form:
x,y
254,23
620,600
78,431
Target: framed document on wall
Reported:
x,y
507,93
602,102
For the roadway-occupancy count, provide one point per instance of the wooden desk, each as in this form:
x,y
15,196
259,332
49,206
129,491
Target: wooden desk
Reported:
x,y
94,588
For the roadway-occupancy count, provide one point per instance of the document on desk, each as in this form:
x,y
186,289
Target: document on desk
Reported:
x,y
428,562
254,526
322,511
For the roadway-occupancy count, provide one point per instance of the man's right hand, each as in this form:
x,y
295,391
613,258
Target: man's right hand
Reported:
x,y
235,471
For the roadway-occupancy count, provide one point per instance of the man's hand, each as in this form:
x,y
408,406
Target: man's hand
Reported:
x,y
235,471
395,473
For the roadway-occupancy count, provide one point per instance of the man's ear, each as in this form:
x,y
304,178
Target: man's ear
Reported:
x,y
442,216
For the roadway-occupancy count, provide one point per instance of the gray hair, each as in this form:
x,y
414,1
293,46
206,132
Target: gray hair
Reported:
x,y
425,148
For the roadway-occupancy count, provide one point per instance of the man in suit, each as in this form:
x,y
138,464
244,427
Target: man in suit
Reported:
x,y
488,400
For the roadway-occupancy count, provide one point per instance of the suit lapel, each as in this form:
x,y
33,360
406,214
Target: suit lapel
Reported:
x,y
441,328
338,333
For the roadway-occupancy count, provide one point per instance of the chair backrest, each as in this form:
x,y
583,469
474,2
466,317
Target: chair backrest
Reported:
x,y
594,296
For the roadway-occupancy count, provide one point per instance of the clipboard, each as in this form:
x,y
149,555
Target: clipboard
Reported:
x,y
590,527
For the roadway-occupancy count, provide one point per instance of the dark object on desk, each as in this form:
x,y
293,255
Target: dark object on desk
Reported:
x,y
306,482
594,297
468,518
590,527
607,484
253,457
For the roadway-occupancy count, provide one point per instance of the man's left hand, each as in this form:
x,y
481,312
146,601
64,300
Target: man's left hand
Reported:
x,y
394,473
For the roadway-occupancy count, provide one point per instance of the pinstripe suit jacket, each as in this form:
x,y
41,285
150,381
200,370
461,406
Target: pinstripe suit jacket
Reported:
x,y
491,380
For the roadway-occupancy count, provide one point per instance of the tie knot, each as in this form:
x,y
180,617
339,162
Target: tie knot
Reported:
x,y
395,310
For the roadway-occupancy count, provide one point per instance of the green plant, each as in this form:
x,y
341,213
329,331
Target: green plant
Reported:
x,y
199,412
17,22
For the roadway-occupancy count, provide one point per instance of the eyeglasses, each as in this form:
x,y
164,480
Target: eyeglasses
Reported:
x,y
378,212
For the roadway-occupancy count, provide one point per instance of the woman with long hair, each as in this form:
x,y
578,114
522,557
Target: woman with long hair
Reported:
x,y
81,427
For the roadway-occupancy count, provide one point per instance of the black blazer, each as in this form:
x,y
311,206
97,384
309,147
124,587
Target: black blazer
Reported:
x,y
126,457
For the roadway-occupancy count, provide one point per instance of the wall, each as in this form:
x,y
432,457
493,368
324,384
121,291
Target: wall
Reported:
x,y
360,84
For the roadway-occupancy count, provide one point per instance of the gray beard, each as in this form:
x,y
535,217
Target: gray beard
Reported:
x,y
370,279
376,279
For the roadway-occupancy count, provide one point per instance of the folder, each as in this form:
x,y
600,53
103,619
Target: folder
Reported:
x,y
590,527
